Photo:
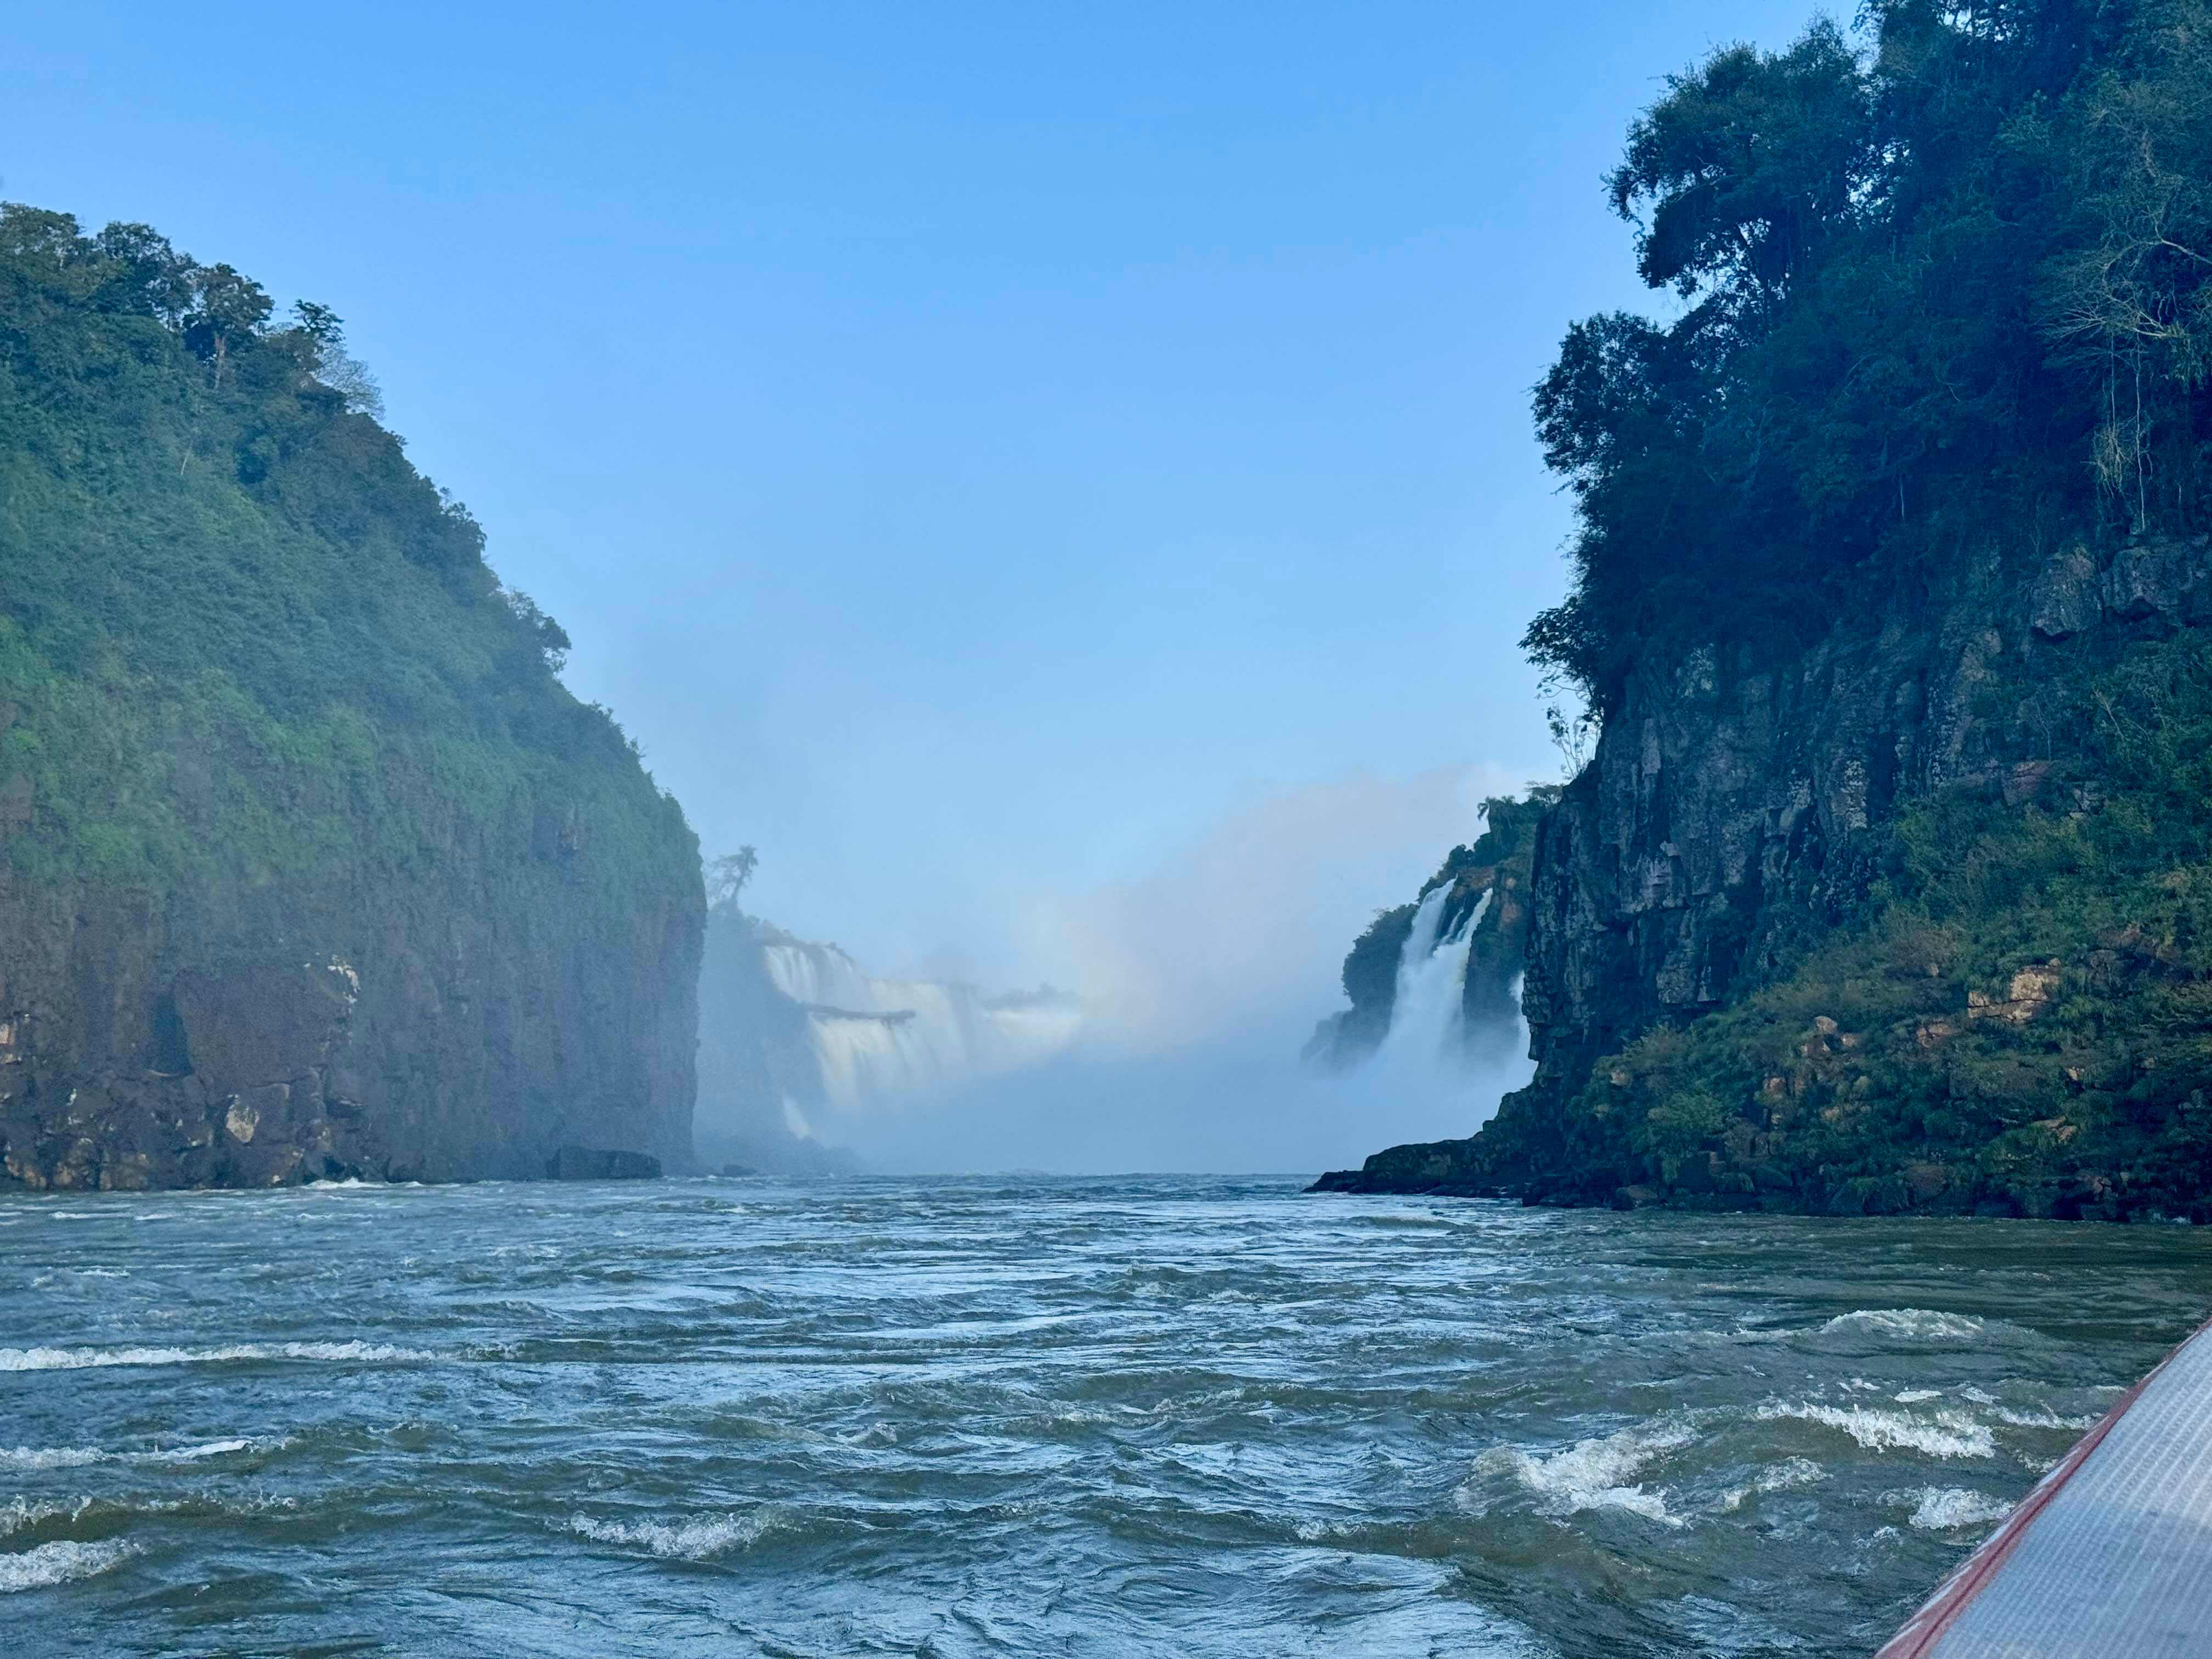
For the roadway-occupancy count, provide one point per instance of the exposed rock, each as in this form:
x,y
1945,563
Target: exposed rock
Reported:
x,y
2027,994
1732,812
590,1163
2064,600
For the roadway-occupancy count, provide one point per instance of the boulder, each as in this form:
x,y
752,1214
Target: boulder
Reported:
x,y
592,1163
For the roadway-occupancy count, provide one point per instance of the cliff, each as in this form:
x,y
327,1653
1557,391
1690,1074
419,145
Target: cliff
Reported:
x,y
309,866
1888,885
1911,921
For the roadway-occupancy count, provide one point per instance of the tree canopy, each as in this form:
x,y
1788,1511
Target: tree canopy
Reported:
x,y
1941,276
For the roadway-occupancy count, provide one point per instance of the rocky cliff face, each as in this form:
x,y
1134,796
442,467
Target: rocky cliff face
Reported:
x,y
1738,819
454,1024
1728,817
309,864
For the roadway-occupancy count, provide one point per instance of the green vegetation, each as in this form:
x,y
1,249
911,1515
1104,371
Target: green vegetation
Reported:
x,y
241,637
1956,283
2020,1016
1945,306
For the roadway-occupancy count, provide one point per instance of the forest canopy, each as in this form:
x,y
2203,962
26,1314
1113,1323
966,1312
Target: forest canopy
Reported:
x,y
211,549
1946,273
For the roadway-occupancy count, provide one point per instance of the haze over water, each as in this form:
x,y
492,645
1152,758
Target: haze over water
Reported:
x,y
1130,1416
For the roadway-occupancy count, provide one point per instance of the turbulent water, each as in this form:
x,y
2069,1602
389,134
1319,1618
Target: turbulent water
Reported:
x,y
1143,1417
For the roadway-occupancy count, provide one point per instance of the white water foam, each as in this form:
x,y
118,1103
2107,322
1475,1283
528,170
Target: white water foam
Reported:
x,y
75,1359
1428,1003
1947,1508
1788,1475
1909,1324
21,1513
698,1538
72,1457
1591,1474
2046,1420
59,1563
1950,1434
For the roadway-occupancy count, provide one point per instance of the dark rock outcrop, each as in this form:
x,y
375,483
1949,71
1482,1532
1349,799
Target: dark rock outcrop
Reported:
x,y
449,1027
1734,817
590,1163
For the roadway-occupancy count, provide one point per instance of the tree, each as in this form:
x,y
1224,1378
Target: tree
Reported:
x,y
148,276
726,876
1961,279
329,362
227,308
1739,174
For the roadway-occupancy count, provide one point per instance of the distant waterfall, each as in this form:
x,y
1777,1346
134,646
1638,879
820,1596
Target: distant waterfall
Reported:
x,y
880,1038
1426,1008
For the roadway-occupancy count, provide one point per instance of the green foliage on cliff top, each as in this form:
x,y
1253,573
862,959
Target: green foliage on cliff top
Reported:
x,y
2020,1016
238,633
1954,276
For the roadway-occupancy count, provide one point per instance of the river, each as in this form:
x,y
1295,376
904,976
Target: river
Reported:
x,y
1139,1416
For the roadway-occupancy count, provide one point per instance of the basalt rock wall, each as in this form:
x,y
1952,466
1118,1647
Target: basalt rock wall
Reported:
x,y
454,1025
1736,813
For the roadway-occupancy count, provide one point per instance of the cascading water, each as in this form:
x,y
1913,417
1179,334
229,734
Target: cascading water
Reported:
x,y
1426,1008
875,1039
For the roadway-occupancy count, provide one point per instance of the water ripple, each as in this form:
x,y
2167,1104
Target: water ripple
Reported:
x,y
1109,1418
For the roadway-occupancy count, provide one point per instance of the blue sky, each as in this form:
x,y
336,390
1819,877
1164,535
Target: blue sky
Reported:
x,y
978,450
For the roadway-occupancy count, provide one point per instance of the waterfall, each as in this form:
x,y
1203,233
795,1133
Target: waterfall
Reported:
x,y
1426,1008
875,1040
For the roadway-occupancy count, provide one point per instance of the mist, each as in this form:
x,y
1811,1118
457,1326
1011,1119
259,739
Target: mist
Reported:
x,y
1199,982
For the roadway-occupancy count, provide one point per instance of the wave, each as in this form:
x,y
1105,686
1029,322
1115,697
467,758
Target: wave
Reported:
x,y
1911,1324
1946,1509
1593,1474
75,1359
699,1538
1951,1434
59,1563
21,1513
73,1457
2046,1420
1785,1476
